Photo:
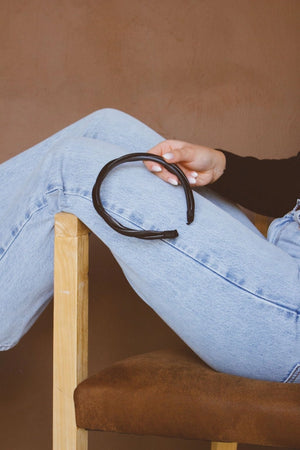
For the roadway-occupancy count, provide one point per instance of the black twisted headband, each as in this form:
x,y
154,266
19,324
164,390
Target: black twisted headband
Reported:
x,y
142,234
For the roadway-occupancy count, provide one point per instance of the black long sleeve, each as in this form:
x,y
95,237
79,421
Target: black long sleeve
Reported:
x,y
266,186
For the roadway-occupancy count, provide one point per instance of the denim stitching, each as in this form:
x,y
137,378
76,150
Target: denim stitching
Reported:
x,y
163,240
28,216
294,375
212,270
27,219
279,232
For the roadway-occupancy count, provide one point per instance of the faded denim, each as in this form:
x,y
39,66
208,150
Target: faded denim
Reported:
x,y
230,294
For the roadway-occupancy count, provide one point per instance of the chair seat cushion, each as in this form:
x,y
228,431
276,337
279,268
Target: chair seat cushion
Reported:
x,y
173,393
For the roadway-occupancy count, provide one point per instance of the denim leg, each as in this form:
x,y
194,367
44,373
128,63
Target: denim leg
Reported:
x,y
107,124
227,292
24,195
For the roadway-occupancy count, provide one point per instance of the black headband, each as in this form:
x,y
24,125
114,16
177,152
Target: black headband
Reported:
x,y
142,234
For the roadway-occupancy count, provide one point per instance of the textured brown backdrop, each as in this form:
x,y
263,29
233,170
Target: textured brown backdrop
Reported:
x,y
217,72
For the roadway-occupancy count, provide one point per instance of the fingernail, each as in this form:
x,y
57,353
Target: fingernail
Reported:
x,y
156,169
192,180
173,181
194,174
168,156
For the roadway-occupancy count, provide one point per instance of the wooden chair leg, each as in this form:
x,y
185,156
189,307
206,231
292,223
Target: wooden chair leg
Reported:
x,y
224,446
70,335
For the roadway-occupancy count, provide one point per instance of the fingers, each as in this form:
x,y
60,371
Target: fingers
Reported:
x,y
169,177
201,165
184,154
158,169
163,173
174,152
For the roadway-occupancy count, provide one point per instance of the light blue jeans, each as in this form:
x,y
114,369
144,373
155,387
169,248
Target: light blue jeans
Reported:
x,y
230,294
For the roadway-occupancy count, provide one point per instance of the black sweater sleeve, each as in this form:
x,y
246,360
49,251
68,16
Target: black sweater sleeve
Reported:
x,y
266,186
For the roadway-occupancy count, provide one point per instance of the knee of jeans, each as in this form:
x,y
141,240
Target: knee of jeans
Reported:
x,y
58,160
66,150
78,153
111,118
74,163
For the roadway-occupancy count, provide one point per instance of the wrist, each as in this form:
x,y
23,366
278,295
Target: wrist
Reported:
x,y
220,164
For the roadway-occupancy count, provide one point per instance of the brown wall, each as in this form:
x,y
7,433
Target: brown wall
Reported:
x,y
218,72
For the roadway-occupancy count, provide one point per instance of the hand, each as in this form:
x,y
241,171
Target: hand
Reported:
x,y
202,165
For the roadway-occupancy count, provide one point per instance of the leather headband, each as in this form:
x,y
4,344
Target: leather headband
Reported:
x,y
142,234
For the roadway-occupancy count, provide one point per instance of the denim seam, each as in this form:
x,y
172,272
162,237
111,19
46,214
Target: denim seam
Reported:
x,y
53,189
9,244
237,285
279,232
294,374
77,194
296,312
27,219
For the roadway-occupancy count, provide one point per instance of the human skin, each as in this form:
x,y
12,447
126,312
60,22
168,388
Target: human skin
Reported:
x,y
202,165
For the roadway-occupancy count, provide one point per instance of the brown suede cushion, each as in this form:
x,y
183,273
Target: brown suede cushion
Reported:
x,y
173,393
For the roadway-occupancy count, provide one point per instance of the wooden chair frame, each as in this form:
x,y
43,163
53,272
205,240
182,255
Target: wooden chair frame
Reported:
x,y
70,329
